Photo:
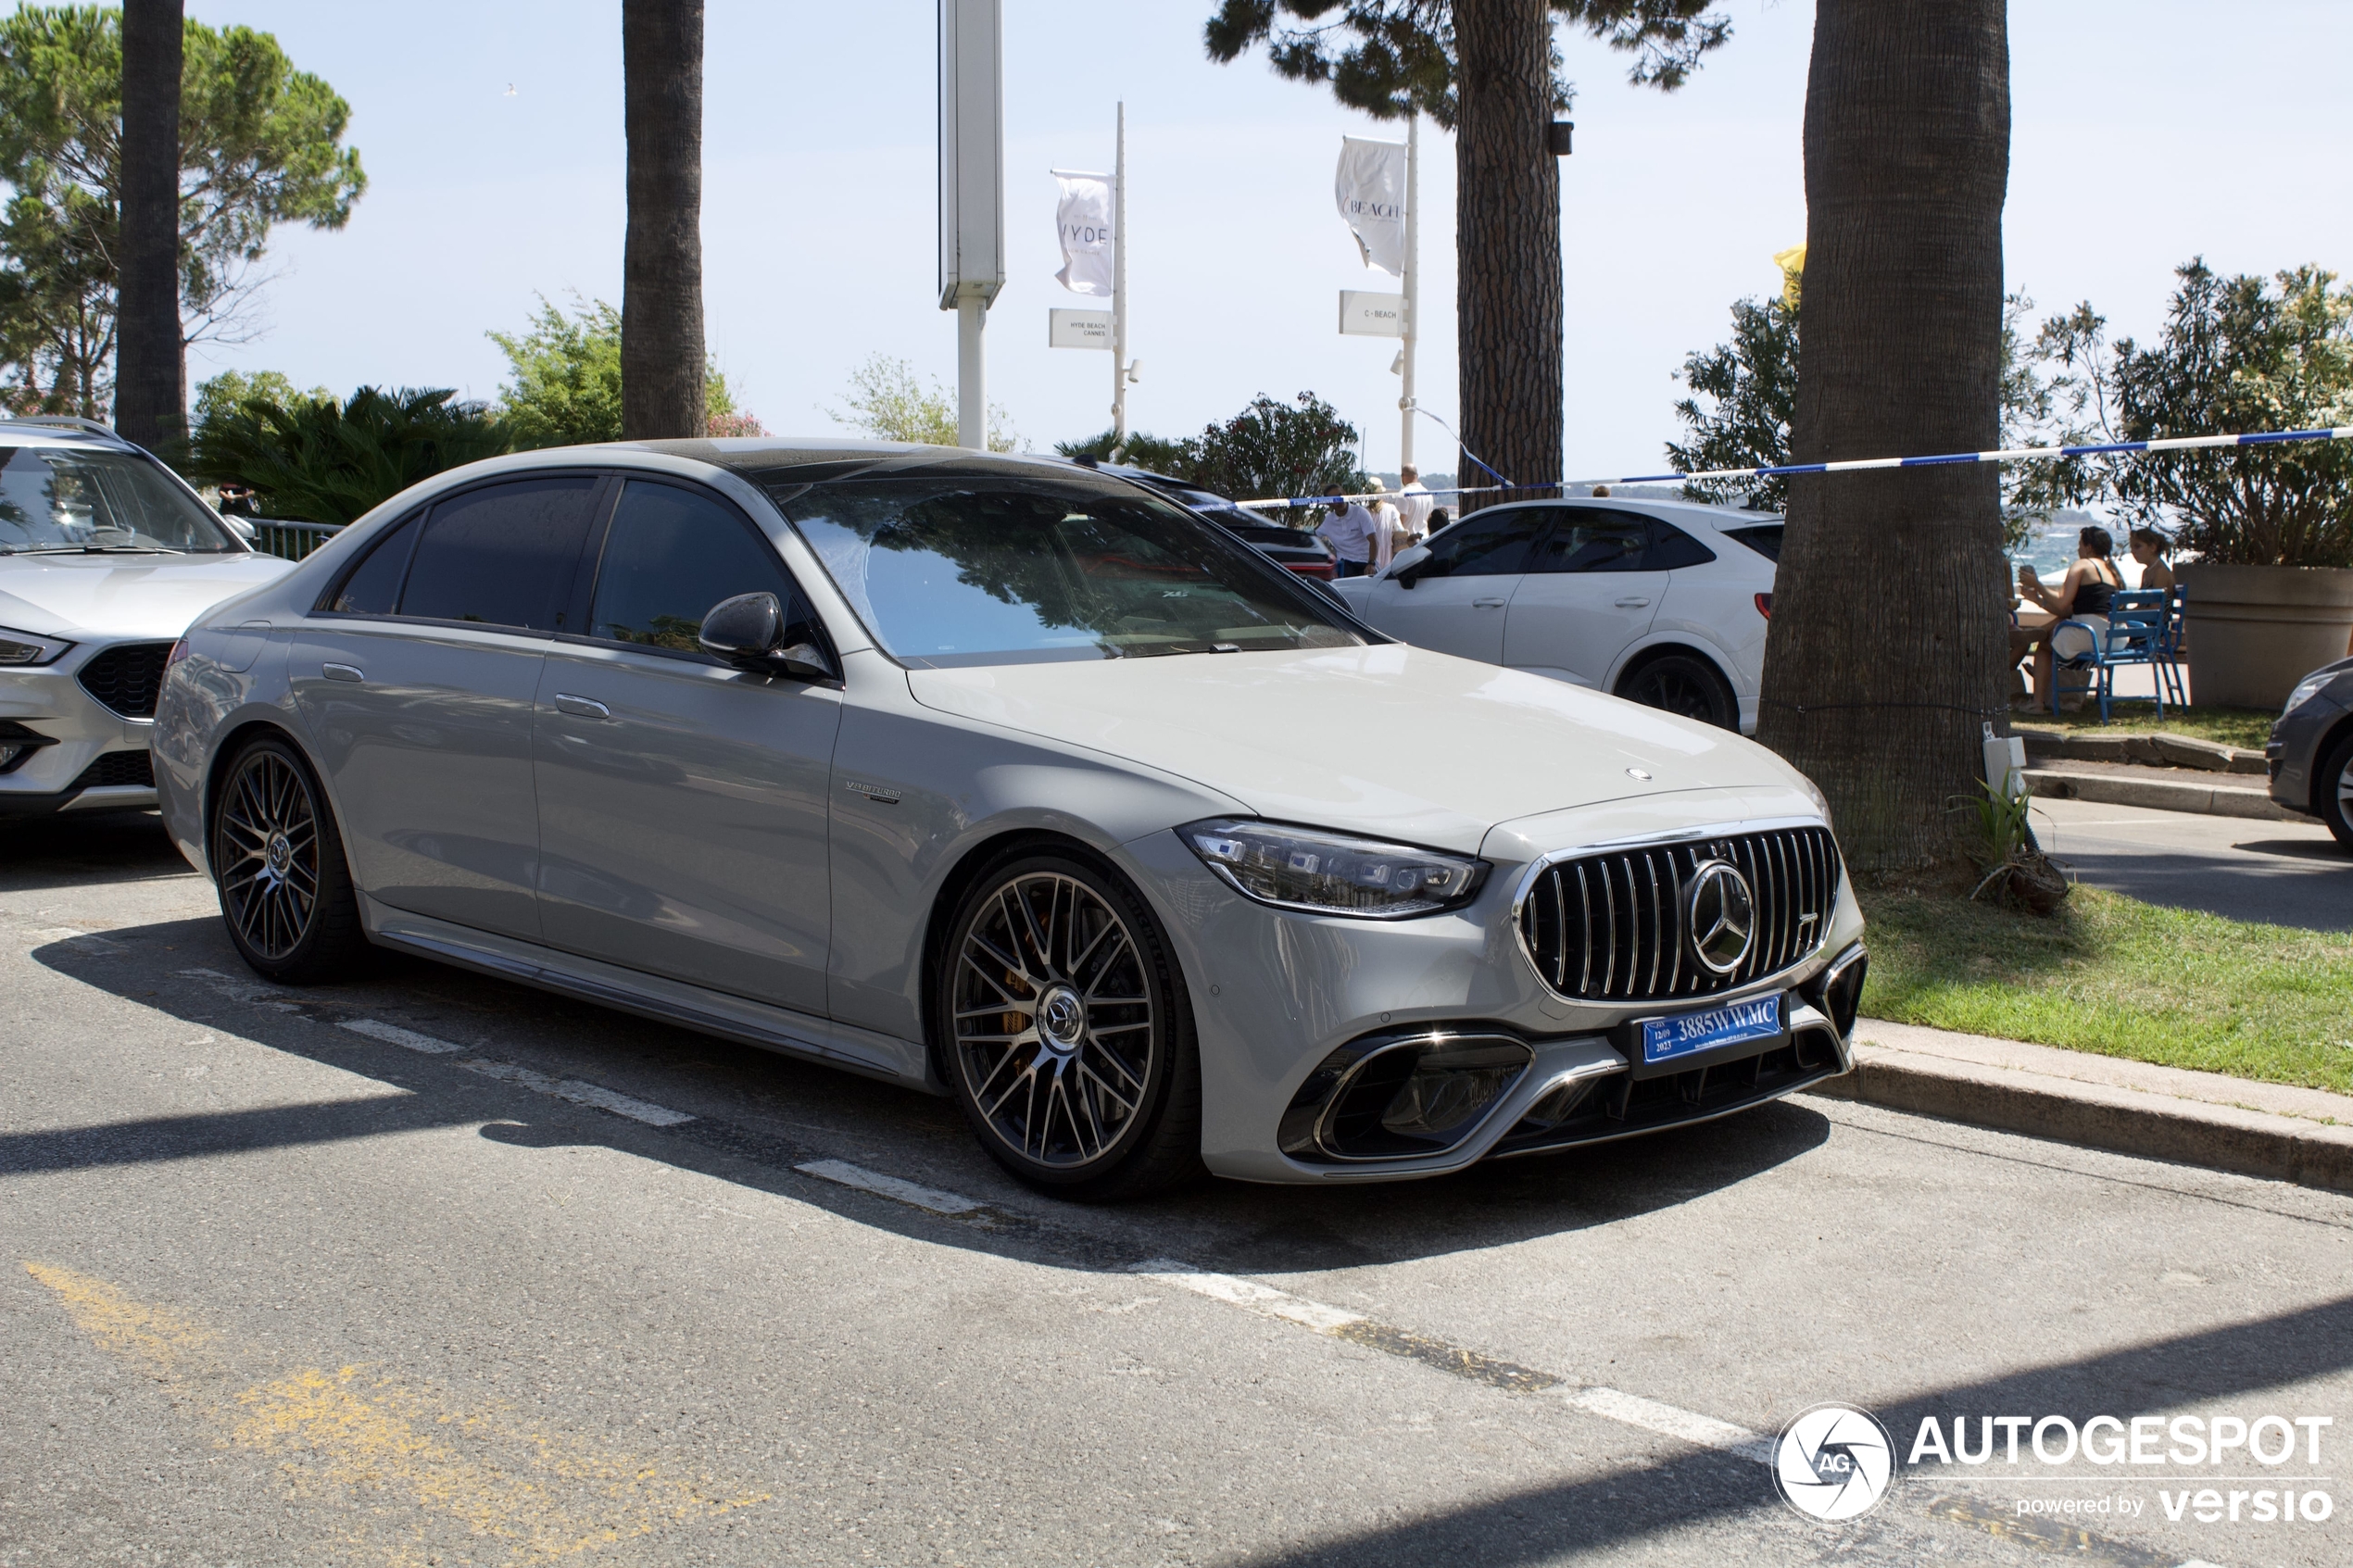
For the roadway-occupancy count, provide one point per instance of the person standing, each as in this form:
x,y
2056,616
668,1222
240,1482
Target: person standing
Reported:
x,y
1348,530
1388,530
1413,504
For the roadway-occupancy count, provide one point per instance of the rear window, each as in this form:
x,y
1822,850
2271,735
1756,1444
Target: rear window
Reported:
x,y
959,571
502,556
1765,538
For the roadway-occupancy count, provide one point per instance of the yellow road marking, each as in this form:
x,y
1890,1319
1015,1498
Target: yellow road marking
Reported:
x,y
403,1465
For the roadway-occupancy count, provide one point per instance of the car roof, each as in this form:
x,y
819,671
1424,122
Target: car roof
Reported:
x,y
60,430
810,460
1718,518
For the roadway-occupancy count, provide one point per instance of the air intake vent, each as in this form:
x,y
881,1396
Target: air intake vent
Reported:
x,y
116,770
1616,927
126,677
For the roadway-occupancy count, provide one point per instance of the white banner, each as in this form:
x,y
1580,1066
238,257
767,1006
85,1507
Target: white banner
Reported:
x,y
1083,218
1077,329
1372,314
1371,188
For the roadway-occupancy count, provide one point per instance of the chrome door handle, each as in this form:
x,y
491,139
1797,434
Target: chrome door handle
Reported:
x,y
1487,604
581,706
341,672
1631,603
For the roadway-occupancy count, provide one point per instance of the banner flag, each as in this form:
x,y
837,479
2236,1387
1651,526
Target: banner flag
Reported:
x,y
1083,218
1371,188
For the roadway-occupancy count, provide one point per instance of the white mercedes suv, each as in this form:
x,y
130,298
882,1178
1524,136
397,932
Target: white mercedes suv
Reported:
x,y
1661,602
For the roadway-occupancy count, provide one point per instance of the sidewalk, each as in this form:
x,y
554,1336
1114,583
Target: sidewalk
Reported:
x,y
2225,1124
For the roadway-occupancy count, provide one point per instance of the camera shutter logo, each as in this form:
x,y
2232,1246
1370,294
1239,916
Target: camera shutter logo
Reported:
x,y
1720,913
1833,1462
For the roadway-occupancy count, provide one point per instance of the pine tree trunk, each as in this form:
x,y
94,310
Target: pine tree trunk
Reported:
x,y
150,396
1508,244
661,333
1889,634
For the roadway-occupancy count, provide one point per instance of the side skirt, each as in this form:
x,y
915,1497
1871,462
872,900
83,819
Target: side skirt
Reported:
x,y
667,1001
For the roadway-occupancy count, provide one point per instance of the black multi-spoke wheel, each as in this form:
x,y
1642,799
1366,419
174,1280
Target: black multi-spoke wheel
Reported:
x,y
2333,797
1064,1032
1685,684
278,861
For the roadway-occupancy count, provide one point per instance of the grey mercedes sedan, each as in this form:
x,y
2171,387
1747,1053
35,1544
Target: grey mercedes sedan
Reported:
x,y
1012,782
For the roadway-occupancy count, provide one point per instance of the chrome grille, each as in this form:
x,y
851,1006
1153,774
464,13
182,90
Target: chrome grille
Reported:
x,y
1610,927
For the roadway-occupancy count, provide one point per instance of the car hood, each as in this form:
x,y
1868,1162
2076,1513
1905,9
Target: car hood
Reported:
x,y
1390,740
123,596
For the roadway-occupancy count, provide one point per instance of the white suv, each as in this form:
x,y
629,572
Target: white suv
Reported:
x,y
1661,602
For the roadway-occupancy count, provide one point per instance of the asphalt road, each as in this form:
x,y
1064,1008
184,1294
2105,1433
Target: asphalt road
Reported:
x,y
432,1269
2285,873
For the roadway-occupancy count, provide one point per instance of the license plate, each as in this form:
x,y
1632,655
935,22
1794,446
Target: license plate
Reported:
x,y
1667,1038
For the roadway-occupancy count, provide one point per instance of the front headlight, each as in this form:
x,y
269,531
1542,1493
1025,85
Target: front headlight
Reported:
x,y
23,647
1326,874
2306,689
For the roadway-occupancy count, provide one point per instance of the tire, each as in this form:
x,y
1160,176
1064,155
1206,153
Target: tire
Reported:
x,y
1065,1033
1683,683
278,861
2332,791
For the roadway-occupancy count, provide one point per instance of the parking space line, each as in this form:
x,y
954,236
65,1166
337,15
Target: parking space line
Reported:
x,y
1338,1323
843,1172
393,1034
573,1089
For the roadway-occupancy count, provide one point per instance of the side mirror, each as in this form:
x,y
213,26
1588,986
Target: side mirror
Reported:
x,y
1406,569
748,630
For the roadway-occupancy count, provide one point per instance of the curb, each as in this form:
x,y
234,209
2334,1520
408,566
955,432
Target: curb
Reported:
x,y
2121,1117
2162,795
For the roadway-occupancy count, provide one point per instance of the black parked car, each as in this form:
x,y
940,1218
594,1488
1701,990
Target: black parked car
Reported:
x,y
2310,751
1294,547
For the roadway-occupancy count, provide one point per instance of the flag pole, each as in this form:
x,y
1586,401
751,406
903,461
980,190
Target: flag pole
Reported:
x,y
1413,282
1119,291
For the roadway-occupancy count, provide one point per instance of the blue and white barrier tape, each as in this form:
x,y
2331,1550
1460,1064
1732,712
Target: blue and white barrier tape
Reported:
x,y
2013,455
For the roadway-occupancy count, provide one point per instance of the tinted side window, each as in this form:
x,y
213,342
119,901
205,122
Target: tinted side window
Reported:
x,y
1765,538
1671,547
670,556
373,587
1592,540
1485,547
503,555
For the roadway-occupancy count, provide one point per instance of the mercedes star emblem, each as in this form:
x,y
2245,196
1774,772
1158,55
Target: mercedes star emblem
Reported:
x,y
1720,913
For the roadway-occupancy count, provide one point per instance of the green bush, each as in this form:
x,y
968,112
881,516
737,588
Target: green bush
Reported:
x,y
566,390
325,461
1175,458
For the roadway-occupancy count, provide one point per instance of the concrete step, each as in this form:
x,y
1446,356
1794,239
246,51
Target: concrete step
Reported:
x,y
2154,749
2148,787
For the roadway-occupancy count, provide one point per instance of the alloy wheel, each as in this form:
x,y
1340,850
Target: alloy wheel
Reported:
x,y
267,854
1670,686
1055,1028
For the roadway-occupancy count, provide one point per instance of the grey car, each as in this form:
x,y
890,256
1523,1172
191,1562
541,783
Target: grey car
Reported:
x,y
1009,782
2310,755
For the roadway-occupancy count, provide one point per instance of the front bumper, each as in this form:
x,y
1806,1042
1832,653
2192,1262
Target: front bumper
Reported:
x,y
90,757
1275,995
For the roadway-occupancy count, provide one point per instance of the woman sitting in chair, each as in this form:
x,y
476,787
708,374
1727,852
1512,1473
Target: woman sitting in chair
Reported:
x,y
2150,548
2085,594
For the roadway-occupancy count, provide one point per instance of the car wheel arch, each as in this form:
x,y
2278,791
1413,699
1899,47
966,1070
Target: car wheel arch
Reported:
x,y
1632,663
225,751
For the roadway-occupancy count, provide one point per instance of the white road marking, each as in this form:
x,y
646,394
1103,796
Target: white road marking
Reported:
x,y
577,1092
1701,1431
393,1034
89,940
1249,1295
848,1175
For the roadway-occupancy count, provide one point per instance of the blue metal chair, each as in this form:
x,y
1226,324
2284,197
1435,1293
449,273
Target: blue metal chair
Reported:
x,y
2168,652
2138,622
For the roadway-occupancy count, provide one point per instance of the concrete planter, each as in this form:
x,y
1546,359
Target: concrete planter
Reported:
x,y
2255,631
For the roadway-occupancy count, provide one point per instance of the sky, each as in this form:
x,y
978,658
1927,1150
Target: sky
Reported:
x,y
2145,132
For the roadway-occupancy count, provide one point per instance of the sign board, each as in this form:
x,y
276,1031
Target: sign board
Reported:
x,y
1077,329
1372,314
972,151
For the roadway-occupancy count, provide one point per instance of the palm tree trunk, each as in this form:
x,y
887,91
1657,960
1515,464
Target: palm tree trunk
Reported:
x,y
1508,244
1889,633
661,333
150,356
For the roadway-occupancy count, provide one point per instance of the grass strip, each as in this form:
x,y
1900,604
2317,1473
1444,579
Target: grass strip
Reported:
x,y
2245,727
2118,977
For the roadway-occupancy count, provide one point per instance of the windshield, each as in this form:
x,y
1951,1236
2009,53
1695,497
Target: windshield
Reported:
x,y
953,571
71,498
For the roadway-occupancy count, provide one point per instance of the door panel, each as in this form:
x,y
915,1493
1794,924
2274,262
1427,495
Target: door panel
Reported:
x,y
423,726
1459,595
682,801
1585,596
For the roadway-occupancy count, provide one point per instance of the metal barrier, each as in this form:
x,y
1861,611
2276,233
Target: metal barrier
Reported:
x,y
290,541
